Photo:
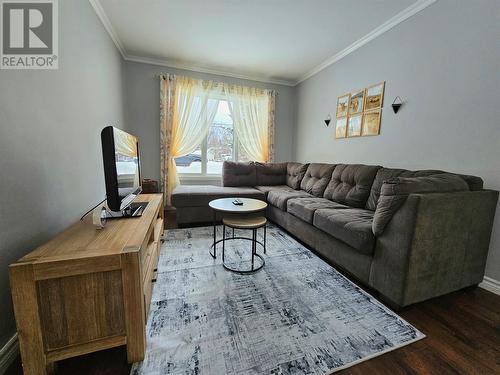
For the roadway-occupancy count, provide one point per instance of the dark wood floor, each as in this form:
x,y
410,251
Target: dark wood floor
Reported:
x,y
463,337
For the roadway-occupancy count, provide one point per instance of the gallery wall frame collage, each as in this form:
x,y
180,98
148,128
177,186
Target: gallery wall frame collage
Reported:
x,y
359,112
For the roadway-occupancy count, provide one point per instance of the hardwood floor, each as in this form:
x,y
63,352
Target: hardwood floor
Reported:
x,y
462,328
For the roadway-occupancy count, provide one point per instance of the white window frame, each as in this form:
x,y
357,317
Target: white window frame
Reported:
x,y
203,175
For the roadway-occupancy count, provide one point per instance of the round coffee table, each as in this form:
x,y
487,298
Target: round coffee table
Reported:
x,y
226,206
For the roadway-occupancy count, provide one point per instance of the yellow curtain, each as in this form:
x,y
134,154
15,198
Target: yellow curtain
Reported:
x,y
252,110
187,110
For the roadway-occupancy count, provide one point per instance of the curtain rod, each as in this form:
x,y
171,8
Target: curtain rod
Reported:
x,y
275,92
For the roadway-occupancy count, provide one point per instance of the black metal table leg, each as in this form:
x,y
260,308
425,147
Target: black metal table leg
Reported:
x,y
223,240
265,238
254,247
214,255
256,264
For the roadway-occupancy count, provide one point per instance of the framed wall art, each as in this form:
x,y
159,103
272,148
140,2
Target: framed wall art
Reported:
x,y
341,127
343,105
354,125
371,123
357,102
359,113
374,96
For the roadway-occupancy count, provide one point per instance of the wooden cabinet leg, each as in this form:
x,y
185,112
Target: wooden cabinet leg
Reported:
x,y
24,297
133,300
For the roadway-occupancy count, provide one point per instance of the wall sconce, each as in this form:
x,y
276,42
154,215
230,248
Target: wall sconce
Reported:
x,y
396,104
328,119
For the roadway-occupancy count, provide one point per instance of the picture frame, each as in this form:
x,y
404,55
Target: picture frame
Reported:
x,y
354,125
343,105
374,97
357,102
371,123
341,127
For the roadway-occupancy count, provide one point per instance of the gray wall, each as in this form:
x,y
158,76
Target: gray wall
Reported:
x,y
444,63
143,111
50,150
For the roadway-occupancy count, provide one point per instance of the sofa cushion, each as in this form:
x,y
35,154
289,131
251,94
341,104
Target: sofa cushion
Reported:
x,y
352,226
238,174
395,191
200,195
350,184
270,173
384,174
316,178
304,208
279,198
267,189
294,174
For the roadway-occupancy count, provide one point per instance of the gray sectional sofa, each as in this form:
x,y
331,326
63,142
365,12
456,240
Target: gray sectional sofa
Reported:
x,y
410,235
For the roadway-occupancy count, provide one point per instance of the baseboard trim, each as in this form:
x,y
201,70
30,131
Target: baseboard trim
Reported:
x,y
491,285
8,353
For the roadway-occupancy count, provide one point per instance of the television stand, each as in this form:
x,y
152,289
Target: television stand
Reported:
x,y
133,210
87,290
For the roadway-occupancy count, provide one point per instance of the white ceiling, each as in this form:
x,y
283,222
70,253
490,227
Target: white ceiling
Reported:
x,y
282,41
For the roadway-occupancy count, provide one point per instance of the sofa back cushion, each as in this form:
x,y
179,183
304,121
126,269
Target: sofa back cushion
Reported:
x,y
295,173
316,178
238,174
269,174
384,174
395,191
350,184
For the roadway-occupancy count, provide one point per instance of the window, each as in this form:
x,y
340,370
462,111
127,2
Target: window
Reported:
x,y
219,145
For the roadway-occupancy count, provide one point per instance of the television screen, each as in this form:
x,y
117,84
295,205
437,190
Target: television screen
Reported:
x,y
121,166
127,162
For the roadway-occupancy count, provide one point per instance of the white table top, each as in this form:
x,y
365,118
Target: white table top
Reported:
x,y
249,205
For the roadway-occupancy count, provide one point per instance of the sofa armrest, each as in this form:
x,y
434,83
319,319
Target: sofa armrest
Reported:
x,y
395,191
435,243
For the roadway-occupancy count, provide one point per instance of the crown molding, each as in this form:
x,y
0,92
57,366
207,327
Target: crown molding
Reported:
x,y
98,8
386,26
193,68
96,4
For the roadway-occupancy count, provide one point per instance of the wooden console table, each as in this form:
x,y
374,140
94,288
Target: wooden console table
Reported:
x,y
87,289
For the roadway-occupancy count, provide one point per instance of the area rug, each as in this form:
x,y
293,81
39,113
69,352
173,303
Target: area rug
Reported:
x,y
297,315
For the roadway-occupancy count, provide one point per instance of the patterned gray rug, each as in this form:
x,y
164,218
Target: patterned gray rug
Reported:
x,y
297,315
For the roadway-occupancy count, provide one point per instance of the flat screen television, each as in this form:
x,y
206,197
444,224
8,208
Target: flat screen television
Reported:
x,y
122,168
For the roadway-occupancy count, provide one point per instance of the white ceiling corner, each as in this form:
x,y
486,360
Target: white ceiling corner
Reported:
x,y
108,26
386,26
261,75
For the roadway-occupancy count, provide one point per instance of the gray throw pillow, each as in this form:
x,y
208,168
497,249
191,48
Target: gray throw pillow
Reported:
x,y
295,173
